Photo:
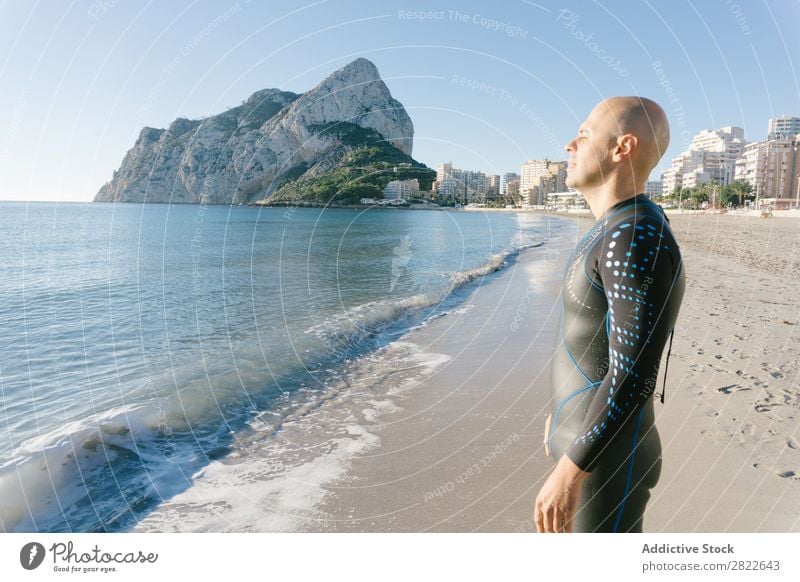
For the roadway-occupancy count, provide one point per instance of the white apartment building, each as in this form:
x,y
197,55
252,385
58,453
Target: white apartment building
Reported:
x,y
447,188
653,188
538,178
464,185
510,183
443,171
785,126
711,157
493,186
398,190
772,168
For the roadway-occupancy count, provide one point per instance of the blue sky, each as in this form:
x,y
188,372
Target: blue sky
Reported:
x,y
487,84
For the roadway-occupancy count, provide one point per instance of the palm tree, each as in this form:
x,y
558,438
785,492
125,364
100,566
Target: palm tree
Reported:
x,y
741,189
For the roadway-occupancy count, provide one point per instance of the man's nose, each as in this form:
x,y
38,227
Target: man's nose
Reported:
x,y
570,147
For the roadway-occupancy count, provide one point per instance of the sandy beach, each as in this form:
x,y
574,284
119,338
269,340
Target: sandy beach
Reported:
x,y
730,421
461,451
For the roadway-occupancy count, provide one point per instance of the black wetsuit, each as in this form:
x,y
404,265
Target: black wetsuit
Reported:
x,y
622,291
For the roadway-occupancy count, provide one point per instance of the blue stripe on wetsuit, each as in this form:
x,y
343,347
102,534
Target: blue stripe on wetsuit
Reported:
x,y
630,471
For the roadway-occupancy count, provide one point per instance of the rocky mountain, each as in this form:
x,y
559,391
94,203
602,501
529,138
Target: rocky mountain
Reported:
x,y
275,137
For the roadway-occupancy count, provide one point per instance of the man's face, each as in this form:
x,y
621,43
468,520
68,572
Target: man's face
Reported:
x,y
590,151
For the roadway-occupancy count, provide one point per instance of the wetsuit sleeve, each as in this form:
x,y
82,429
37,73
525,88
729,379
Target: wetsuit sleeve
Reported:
x,y
637,268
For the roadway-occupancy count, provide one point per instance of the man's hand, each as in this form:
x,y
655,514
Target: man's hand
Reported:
x,y
547,435
557,502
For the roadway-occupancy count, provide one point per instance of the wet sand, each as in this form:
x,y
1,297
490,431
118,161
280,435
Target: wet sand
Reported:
x,y
462,452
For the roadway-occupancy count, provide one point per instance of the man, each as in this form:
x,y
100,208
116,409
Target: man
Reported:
x,y
621,295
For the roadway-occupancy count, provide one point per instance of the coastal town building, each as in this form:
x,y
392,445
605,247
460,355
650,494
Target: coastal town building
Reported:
x,y
443,171
711,157
772,168
447,188
510,186
538,178
463,186
653,188
401,190
493,186
783,127
567,200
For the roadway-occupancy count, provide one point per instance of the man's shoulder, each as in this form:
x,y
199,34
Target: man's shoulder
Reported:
x,y
638,211
644,216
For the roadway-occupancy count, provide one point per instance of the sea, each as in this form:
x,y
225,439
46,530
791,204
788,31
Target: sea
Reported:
x,y
142,344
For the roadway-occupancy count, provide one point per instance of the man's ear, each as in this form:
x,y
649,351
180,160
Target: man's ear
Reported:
x,y
626,145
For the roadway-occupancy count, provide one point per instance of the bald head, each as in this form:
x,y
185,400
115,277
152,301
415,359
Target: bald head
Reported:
x,y
616,148
642,118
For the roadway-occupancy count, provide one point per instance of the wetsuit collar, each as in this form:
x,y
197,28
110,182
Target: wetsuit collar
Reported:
x,y
638,199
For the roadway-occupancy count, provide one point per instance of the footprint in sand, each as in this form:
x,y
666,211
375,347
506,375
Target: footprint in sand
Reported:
x,y
774,373
753,379
791,397
779,407
792,444
730,431
717,369
733,387
788,475
694,389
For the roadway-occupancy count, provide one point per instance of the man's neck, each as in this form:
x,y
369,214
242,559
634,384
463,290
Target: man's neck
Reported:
x,y
602,197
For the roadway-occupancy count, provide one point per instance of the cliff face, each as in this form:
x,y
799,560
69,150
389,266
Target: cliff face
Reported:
x,y
248,152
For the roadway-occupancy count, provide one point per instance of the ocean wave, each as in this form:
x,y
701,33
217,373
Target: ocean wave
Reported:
x,y
345,332
56,472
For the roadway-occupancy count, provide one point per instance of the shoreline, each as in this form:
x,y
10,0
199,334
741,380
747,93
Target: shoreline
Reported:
x,y
463,452
278,479
731,408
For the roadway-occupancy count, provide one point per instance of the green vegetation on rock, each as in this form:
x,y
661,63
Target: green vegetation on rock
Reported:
x,y
359,167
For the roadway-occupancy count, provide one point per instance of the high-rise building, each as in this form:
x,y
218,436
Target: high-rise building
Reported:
x,y
785,126
711,157
493,186
443,171
510,184
772,168
397,190
538,178
466,186
653,188
447,188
